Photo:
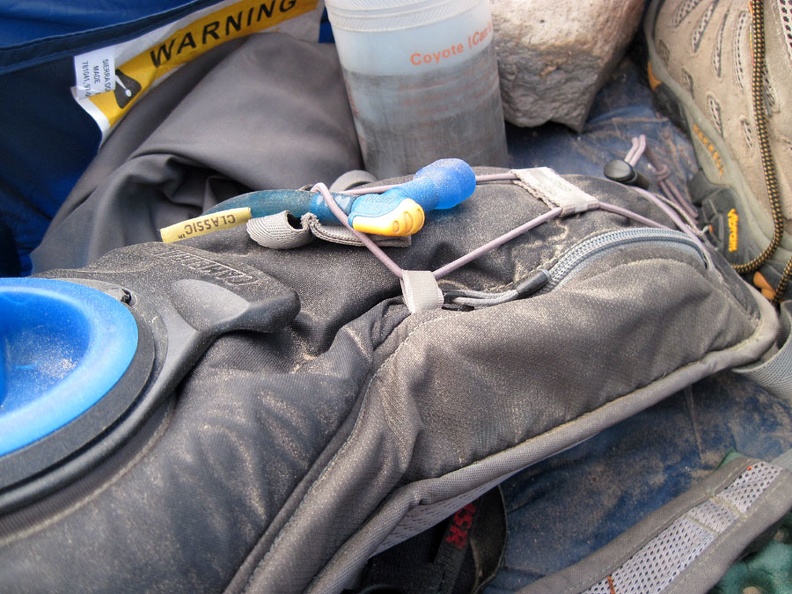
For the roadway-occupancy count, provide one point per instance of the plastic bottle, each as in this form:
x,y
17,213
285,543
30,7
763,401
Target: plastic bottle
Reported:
x,y
422,80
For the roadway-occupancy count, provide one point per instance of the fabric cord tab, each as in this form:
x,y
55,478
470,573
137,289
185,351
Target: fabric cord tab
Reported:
x,y
421,292
552,189
282,231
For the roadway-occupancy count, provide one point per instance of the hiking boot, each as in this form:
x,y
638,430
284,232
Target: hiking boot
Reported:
x,y
702,69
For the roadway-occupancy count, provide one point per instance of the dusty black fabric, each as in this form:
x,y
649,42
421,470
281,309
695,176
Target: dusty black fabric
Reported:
x,y
286,458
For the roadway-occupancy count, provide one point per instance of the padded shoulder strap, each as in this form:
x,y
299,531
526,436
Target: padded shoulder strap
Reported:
x,y
689,544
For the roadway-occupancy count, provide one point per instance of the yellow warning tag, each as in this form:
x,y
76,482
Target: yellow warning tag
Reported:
x,y
168,48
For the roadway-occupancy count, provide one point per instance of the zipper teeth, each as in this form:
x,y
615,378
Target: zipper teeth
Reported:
x,y
596,246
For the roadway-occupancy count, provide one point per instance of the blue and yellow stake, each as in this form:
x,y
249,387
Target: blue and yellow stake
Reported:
x,y
397,212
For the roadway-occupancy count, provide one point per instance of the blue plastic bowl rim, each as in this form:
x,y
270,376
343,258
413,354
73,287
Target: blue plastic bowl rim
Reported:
x,y
112,343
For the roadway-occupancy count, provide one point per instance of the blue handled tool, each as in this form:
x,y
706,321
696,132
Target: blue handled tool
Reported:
x,y
399,211
441,185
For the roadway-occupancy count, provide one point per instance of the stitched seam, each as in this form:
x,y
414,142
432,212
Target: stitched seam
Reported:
x,y
714,551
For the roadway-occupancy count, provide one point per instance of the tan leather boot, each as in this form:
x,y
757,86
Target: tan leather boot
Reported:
x,y
703,57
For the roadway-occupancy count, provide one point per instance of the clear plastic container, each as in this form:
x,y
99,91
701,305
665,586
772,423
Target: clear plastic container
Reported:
x,y
422,79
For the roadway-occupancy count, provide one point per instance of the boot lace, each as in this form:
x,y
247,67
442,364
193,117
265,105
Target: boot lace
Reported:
x,y
768,165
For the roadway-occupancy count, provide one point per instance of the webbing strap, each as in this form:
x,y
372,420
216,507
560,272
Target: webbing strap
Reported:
x,y
552,189
283,231
774,374
280,231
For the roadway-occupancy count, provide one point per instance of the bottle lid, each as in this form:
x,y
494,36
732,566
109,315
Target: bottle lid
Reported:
x,y
63,346
393,15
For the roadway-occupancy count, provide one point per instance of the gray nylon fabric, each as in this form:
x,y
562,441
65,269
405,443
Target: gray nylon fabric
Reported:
x,y
290,456
266,112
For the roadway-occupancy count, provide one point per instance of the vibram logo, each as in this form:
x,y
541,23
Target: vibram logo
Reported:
x,y
716,158
733,219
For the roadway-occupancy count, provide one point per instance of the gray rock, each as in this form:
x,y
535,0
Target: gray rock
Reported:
x,y
554,55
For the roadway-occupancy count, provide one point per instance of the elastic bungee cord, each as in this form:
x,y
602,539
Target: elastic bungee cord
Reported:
x,y
674,207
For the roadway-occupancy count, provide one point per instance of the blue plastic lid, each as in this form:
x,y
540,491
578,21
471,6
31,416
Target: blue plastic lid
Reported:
x,y
63,346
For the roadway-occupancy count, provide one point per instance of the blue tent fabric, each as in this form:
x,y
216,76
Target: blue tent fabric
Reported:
x,y
38,32
562,510
47,140
45,145
622,110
